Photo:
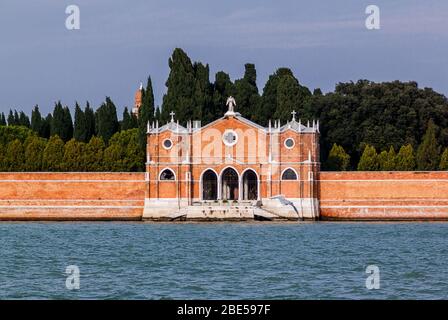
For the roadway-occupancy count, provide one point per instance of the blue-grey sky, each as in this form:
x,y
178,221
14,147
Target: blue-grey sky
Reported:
x,y
121,42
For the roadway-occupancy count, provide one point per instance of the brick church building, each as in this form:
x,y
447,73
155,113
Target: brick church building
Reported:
x,y
232,168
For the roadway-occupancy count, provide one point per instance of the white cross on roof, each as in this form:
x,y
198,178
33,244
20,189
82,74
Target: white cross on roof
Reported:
x,y
172,114
293,115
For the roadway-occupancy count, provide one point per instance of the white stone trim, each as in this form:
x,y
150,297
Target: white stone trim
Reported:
x,y
224,140
293,143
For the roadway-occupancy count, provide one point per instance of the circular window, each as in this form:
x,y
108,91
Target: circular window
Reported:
x,y
167,144
289,143
229,138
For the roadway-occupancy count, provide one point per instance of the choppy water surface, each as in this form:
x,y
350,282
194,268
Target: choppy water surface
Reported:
x,y
224,260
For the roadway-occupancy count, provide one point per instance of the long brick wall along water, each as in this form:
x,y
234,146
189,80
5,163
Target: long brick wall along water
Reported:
x,y
120,196
383,195
71,196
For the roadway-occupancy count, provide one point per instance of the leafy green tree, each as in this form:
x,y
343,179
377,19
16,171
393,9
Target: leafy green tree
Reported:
x,y
369,159
388,160
53,156
106,120
444,160
428,153
405,160
124,152
34,151
94,155
246,93
14,156
338,159
73,159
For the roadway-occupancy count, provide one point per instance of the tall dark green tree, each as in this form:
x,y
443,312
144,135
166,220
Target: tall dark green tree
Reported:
x,y
36,120
106,120
223,87
145,112
126,122
428,153
89,116
46,126
24,120
203,94
246,93
79,130
2,119
11,119
180,88
61,123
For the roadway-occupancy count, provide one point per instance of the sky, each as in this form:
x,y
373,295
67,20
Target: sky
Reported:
x,y
121,42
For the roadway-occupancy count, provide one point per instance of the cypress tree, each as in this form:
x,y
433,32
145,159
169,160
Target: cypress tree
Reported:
x,y
126,123
36,120
2,119
16,118
57,122
222,89
405,160
180,88
444,160
106,120
246,93
338,159
89,116
46,126
428,154
369,159
202,94
24,120
11,120
80,127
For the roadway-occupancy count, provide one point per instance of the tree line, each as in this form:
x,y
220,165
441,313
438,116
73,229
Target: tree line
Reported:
x,y
354,118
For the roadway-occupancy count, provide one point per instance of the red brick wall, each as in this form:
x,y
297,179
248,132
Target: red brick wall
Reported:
x,y
383,195
71,196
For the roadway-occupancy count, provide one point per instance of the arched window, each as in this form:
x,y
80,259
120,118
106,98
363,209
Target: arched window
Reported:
x,y
167,174
289,174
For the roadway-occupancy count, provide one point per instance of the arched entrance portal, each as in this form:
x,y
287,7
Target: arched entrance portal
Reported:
x,y
250,185
229,179
209,185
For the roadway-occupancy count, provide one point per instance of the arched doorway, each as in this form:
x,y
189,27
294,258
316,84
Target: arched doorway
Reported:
x,y
229,180
209,185
250,185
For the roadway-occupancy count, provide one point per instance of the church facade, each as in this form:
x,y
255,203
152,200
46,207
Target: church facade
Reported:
x,y
232,168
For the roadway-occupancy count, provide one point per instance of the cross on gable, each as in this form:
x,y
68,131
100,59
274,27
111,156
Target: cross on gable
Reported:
x,y
293,115
172,114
